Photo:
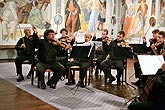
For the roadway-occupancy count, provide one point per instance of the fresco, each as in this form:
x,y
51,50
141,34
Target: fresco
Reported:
x,y
141,19
16,14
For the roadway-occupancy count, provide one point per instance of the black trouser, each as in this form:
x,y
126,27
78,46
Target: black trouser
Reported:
x,y
56,67
100,58
137,69
106,64
63,60
138,72
84,65
18,63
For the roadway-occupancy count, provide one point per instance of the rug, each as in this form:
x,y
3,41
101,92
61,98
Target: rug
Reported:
x,y
63,97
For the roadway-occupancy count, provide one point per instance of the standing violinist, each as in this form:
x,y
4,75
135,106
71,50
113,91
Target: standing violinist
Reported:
x,y
47,53
117,61
155,98
101,54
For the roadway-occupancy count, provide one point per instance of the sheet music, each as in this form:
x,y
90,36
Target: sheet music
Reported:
x,y
150,63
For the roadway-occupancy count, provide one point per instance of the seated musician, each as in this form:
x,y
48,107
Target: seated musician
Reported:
x,y
24,47
62,55
138,72
155,97
83,63
47,53
157,50
159,46
118,61
153,40
101,54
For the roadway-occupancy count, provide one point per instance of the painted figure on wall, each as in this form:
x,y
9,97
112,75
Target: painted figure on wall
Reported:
x,y
94,16
72,11
35,17
24,8
10,20
102,15
135,19
46,12
124,8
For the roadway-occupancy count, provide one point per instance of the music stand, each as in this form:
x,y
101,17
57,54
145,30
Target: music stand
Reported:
x,y
82,53
149,65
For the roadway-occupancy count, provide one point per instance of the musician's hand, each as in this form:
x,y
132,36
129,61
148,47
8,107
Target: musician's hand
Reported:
x,y
22,46
68,47
153,46
34,29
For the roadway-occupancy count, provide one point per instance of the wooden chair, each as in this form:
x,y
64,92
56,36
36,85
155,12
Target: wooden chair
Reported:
x,y
124,75
38,80
77,68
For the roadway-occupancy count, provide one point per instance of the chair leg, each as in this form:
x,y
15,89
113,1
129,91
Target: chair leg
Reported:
x,y
48,75
39,81
32,78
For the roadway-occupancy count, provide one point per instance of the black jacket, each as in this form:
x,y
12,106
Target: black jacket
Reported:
x,y
47,52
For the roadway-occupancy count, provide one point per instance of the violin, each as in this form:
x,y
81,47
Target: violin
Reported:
x,y
66,39
154,47
123,44
59,43
105,39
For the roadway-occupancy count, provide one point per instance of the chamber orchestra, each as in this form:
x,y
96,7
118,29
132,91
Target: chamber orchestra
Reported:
x,y
53,54
108,54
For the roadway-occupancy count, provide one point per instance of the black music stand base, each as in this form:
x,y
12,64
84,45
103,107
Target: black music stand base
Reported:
x,y
129,85
131,99
77,86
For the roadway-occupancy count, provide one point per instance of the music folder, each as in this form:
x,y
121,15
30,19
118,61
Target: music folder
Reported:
x,y
150,63
79,52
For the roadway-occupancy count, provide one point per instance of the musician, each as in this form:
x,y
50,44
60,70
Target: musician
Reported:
x,y
101,54
24,47
159,45
155,99
138,72
47,53
62,55
118,61
153,39
83,63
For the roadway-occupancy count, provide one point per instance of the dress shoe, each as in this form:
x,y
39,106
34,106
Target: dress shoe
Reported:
x,y
28,76
20,78
81,85
111,79
51,85
70,83
43,86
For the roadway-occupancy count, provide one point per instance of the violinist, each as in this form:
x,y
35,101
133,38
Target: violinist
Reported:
x,y
62,55
47,53
155,98
24,48
159,45
101,54
118,61
153,40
